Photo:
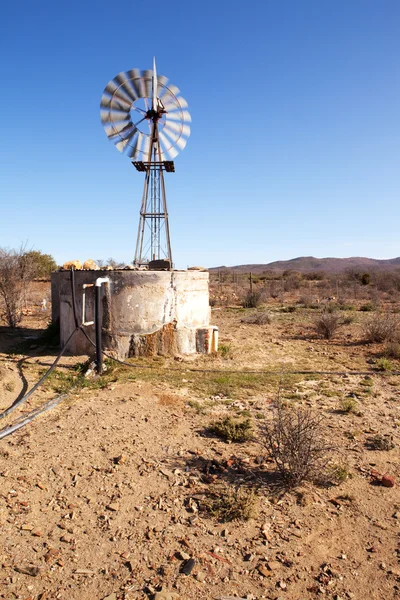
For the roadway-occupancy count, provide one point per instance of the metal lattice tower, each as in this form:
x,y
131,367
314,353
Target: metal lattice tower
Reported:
x,y
147,119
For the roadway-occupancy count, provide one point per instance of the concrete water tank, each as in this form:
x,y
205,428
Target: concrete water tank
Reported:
x,y
144,313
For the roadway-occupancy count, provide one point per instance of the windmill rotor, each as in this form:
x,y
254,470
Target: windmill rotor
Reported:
x,y
135,101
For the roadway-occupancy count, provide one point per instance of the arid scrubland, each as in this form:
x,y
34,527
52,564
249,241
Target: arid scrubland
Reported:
x,y
269,470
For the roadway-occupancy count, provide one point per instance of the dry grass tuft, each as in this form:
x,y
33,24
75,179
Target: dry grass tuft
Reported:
x,y
231,504
348,405
169,400
259,318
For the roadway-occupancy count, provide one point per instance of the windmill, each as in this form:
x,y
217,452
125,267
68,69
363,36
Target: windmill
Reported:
x,y
146,118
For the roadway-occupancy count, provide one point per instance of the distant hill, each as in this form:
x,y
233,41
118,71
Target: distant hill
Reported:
x,y
305,264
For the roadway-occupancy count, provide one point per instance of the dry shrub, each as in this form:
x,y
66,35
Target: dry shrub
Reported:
x,y
233,430
381,442
295,441
259,318
252,299
16,272
326,324
229,504
392,350
382,327
308,302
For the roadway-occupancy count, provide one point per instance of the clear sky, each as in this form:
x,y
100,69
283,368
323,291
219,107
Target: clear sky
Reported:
x,y
295,144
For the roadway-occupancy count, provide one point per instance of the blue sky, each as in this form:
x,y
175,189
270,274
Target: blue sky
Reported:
x,y
295,143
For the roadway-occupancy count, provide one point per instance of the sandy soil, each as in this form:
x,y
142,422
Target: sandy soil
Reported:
x,y
104,496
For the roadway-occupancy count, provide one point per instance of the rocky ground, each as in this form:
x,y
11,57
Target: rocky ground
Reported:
x,y
111,495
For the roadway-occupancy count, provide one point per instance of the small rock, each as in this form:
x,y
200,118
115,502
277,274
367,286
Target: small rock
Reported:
x,y
183,555
388,480
112,596
27,527
166,595
32,571
52,553
188,566
84,572
67,539
273,565
264,571
282,585
200,577
113,506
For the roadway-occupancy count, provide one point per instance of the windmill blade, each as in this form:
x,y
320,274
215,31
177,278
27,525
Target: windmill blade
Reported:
x,y
128,86
114,88
172,89
134,81
172,135
147,78
182,115
165,143
112,115
167,146
108,100
123,83
162,81
175,103
181,143
134,148
113,130
172,153
122,144
180,128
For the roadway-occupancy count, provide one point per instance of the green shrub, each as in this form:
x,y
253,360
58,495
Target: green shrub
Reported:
x,y
348,405
232,430
384,364
225,350
368,307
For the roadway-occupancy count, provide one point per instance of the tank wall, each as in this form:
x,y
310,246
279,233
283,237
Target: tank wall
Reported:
x,y
135,303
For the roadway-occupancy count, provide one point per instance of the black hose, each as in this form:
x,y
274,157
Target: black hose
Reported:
x,y
39,383
26,419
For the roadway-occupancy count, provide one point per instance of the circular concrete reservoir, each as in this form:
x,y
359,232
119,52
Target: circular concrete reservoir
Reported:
x,y
144,313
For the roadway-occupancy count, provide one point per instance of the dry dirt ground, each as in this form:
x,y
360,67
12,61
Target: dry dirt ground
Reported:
x,y
105,496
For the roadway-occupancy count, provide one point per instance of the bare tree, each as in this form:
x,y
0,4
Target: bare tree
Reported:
x,y
16,272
